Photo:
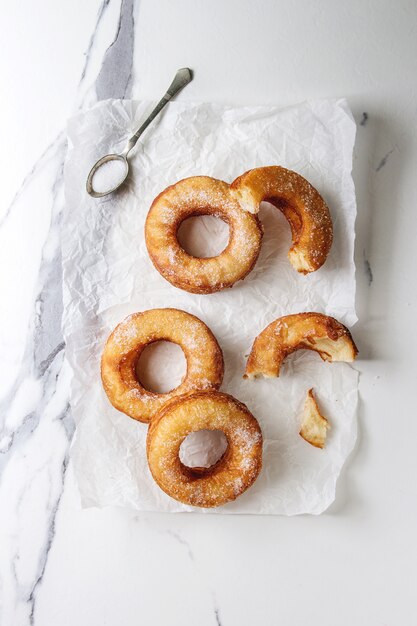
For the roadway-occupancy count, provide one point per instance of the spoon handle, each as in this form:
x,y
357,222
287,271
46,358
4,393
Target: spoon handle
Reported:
x,y
181,79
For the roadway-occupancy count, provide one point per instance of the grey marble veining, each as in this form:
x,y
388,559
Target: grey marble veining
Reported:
x,y
368,269
115,77
37,166
194,564
36,424
384,160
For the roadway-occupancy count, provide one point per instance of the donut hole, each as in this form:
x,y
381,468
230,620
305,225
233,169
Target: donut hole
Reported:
x,y
203,236
203,448
161,367
277,237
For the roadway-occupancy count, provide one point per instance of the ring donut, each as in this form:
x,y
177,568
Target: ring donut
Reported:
x,y
126,343
301,204
201,195
302,331
227,479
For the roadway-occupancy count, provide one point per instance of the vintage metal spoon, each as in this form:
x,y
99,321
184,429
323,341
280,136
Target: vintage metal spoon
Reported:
x,y
182,78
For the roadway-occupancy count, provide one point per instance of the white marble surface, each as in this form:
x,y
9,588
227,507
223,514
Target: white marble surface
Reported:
x,y
61,565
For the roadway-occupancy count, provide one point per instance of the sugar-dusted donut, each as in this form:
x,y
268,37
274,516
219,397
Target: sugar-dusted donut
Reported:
x,y
127,341
302,331
301,204
227,479
201,195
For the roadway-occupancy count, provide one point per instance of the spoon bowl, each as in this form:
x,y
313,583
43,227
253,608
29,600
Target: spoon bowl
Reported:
x,y
112,185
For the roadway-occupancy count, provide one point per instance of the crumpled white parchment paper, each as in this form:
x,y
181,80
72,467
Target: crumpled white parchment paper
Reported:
x,y
107,274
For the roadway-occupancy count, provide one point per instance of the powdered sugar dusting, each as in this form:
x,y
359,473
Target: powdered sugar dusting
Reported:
x,y
247,436
125,334
238,485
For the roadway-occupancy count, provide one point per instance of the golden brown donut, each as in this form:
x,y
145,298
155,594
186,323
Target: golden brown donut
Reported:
x,y
227,479
201,195
302,331
125,344
301,204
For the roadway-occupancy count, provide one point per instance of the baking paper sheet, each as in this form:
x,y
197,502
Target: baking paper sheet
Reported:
x,y
107,274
